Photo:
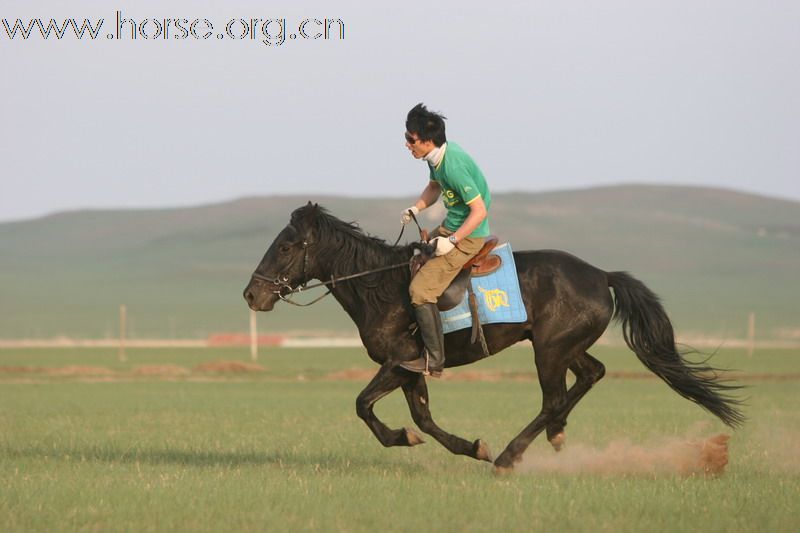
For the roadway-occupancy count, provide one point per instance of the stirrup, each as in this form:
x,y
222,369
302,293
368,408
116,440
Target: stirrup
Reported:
x,y
423,368
428,371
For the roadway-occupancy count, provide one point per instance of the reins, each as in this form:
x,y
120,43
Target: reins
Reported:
x,y
403,227
282,282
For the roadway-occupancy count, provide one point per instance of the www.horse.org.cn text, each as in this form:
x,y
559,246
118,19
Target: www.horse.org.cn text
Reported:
x,y
268,31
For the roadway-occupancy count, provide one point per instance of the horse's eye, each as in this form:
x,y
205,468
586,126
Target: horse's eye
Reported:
x,y
285,248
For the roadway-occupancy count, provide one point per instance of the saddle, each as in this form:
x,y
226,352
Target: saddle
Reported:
x,y
483,263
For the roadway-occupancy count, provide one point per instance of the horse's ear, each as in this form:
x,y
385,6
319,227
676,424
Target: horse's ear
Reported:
x,y
305,215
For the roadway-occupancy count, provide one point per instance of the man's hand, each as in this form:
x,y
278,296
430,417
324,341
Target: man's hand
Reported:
x,y
407,217
441,245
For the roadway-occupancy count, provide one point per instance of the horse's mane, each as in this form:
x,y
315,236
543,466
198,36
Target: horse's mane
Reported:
x,y
346,249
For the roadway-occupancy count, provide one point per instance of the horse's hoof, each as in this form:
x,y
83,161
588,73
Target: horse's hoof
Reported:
x,y
558,441
503,470
482,452
413,438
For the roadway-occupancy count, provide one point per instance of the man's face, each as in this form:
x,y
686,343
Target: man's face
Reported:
x,y
419,149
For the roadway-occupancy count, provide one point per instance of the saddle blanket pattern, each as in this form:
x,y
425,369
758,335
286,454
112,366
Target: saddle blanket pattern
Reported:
x,y
498,294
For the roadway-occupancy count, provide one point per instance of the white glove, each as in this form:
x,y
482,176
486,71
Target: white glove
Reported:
x,y
441,245
406,217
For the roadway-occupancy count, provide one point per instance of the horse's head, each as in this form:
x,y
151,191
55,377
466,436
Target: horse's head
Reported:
x,y
286,264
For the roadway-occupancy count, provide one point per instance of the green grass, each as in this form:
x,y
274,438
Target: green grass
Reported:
x,y
265,452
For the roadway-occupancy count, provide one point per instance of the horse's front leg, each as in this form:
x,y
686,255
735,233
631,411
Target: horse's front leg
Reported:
x,y
416,392
384,382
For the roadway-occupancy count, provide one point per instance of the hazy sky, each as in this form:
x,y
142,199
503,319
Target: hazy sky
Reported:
x,y
544,95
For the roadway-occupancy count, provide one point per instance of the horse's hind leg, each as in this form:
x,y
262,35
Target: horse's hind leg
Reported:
x,y
416,392
588,371
384,382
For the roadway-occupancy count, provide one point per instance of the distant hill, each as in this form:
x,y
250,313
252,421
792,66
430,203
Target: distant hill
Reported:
x,y
713,255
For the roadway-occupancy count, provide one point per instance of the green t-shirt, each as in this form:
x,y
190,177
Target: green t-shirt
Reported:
x,y
462,183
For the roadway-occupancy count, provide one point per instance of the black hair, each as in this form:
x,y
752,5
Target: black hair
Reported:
x,y
428,125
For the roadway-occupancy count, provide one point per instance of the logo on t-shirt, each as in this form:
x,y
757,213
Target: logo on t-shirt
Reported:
x,y
450,198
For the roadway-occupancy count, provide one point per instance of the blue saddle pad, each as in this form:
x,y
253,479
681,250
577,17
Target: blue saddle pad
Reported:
x,y
498,294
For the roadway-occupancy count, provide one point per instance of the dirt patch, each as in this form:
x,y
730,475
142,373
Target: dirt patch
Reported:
x,y
20,370
243,339
67,371
160,370
229,367
80,371
488,376
473,375
682,456
351,374
763,377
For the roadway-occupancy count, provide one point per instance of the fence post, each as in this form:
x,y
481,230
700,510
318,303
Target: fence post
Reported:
x,y
253,336
123,318
751,334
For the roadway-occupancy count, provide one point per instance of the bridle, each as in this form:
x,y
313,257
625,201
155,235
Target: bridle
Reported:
x,y
281,282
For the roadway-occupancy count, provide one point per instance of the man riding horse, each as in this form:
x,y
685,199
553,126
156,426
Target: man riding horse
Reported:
x,y
567,302
455,176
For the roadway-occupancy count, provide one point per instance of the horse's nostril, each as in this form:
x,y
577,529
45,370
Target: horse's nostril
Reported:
x,y
248,295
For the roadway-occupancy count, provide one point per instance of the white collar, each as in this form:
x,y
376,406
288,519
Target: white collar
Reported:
x,y
435,156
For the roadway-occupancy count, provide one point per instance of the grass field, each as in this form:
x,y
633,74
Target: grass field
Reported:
x,y
105,448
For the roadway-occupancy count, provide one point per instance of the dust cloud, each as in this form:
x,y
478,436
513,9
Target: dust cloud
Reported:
x,y
686,456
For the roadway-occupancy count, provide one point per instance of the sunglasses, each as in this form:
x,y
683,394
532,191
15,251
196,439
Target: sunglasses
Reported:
x,y
410,139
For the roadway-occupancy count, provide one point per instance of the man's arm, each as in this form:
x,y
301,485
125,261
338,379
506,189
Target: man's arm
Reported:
x,y
426,199
477,212
429,195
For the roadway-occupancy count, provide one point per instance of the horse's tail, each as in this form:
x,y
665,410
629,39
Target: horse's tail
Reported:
x,y
648,332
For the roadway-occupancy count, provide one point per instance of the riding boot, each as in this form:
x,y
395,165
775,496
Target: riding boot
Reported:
x,y
430,326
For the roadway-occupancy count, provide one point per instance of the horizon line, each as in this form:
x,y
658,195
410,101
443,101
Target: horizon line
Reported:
x,y
240,198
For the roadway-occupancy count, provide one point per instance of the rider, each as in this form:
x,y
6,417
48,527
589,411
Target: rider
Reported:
x,y
461,235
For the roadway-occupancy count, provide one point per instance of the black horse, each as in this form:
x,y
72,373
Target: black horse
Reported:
x,y
568,303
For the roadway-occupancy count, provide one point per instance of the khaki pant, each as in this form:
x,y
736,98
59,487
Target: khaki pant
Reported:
x,y
435,275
